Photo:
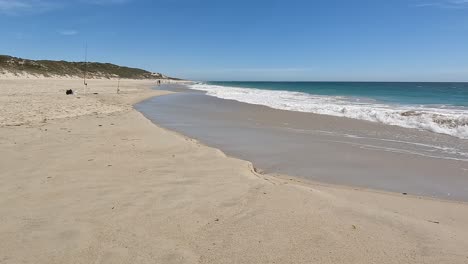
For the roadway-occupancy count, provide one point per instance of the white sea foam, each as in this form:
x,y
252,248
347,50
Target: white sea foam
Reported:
x,y
445,120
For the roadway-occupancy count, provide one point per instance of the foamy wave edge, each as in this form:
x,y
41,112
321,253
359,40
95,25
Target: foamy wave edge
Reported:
x,y
450,121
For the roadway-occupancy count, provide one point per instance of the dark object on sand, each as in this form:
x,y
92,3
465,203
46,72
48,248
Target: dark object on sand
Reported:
x,y
411,113
69,92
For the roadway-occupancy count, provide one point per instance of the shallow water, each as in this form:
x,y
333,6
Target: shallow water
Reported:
x,y
321,148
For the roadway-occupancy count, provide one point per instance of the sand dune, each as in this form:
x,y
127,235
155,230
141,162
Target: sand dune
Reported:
x,y
90,180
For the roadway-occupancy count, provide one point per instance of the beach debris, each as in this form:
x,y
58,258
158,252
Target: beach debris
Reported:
x,y
404,193
217,220
69,92
354,227
434,222
100,125
411,113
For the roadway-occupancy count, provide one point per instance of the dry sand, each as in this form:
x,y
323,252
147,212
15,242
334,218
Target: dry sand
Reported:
x,y
90,180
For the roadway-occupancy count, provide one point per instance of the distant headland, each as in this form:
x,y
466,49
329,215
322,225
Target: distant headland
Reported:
x,y
18,67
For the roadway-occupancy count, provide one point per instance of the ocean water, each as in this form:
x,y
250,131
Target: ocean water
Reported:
x,y
436,107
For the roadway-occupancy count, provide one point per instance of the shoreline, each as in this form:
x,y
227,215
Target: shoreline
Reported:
x,y
298,180
255,133
170,199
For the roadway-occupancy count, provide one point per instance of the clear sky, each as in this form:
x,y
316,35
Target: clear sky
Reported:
x,y
356,40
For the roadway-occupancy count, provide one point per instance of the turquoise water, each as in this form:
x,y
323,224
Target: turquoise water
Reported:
x,y
413,93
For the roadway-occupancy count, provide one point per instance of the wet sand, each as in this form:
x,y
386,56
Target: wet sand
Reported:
x,y
320,148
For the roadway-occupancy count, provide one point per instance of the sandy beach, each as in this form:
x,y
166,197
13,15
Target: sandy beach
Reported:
x,y
88,179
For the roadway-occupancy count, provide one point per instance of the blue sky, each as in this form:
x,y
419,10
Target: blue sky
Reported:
x,y
374,40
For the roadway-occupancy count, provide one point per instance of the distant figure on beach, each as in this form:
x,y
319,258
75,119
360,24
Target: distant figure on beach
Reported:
x,y
159,82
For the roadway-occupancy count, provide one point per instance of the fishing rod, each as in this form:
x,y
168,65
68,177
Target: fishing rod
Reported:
x,y
85,68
